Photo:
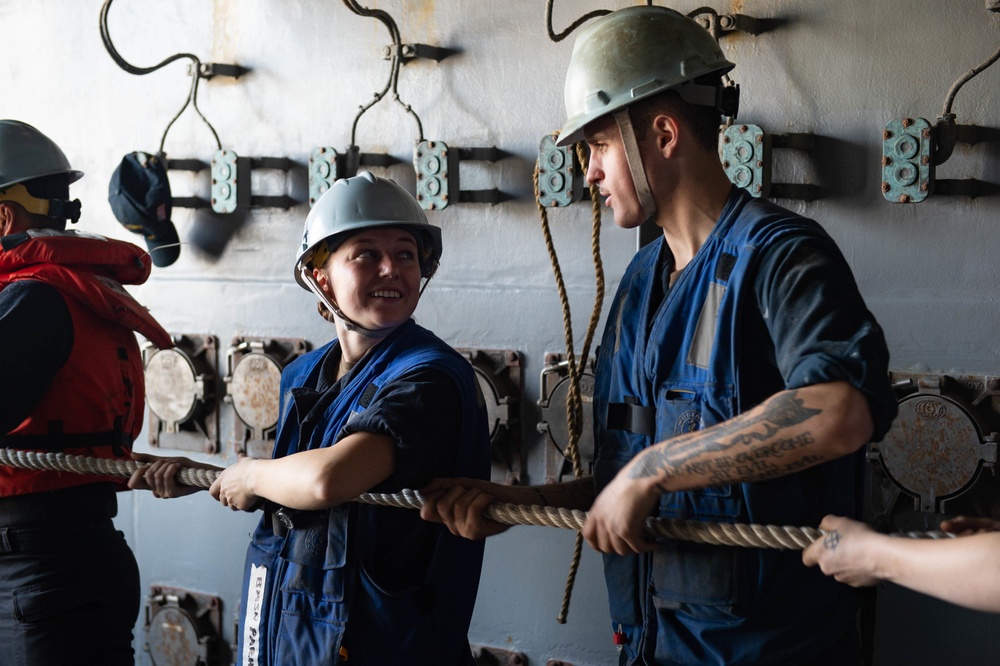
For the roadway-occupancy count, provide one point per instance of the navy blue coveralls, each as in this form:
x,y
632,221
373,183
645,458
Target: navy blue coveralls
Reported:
x,y
310,592
767,304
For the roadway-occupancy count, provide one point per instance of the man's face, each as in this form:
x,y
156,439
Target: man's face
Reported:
x,y
609,170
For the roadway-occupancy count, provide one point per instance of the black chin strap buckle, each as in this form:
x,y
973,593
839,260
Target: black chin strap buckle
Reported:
x,y
62,209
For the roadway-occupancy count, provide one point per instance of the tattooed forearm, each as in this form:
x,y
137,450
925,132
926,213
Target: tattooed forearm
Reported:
x,y
722,470
751,447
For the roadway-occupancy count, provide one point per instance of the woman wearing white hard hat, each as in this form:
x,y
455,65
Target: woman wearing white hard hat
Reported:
x,y
386,405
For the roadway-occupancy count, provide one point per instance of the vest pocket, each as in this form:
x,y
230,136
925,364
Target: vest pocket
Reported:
x,y
699,580
316,555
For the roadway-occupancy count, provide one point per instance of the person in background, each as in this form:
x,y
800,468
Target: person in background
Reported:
x,y
385,406
71,381
738,379
963,571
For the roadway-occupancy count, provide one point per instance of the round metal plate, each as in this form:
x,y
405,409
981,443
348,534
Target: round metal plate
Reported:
x,y
255,389
933,449
172,390
555,415
491,393
173,638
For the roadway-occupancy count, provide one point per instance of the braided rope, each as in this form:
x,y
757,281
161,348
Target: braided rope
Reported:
x,y
574,400
721,534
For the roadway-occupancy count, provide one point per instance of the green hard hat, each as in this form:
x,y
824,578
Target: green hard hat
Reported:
x,y
365,202
26,154
631,54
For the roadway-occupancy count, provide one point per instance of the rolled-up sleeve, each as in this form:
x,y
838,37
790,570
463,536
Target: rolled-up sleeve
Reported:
x,y
820,326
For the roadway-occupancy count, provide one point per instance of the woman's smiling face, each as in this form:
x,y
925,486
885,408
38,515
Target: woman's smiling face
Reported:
x,y
374,277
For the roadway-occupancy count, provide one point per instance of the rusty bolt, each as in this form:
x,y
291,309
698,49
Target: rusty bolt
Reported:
x,y
907,122
430,144
925,186
758,188
760,139
432,206
760,165
725,139
725,165
886,135
925,159
926,133
904,198
743,128
886,160
420,197
885,187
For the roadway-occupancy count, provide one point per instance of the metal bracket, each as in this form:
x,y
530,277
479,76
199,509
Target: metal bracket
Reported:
x,y
722,24
498,372
408,52
253,376
183,627
208,70
327,165
193,165
554,382
746,158
912,148
181,394
231,182
437,169
560,178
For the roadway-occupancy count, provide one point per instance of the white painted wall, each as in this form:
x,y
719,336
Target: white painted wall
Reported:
x,y
838,69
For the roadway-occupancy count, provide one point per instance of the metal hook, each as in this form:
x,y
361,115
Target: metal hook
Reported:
x,y
196,68
396,61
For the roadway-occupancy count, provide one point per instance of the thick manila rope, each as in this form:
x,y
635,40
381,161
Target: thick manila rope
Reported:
x,y
722,534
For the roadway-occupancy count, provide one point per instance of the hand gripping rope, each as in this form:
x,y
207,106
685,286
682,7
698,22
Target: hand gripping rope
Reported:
x,y
722,534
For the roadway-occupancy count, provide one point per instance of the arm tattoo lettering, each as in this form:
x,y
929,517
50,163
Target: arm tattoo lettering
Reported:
x,y
743,461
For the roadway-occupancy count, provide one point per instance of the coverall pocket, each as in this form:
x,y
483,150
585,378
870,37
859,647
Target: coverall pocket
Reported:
x,y
699,580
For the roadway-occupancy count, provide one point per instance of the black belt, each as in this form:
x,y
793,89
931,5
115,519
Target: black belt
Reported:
x,y
53,537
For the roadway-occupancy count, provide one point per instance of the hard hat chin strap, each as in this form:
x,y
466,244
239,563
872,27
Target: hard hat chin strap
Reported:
x,y
57,209
349,324
634,159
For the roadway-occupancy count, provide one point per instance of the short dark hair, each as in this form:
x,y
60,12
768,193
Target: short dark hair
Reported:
x,y
703,121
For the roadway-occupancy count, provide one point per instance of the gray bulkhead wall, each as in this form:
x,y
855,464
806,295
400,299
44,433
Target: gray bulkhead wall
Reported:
x,y
840,70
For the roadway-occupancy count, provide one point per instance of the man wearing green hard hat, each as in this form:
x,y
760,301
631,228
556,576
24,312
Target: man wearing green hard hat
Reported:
x,y
739,377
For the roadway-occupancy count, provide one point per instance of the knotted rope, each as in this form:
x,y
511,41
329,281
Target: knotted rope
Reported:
x,y
574,399
721,534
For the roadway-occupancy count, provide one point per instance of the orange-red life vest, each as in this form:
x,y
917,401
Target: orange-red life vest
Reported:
x,y
94,406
